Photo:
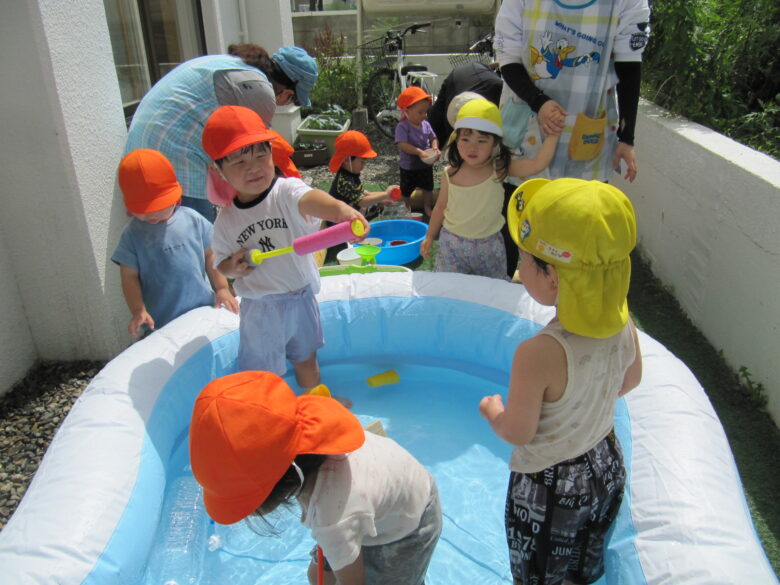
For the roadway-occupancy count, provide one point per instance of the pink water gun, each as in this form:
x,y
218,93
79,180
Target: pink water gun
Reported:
x,y
337,234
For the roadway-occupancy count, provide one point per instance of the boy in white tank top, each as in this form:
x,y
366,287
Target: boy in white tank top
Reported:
x,y
567,473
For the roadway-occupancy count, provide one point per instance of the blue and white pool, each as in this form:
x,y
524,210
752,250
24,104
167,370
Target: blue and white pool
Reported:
x,y
114,501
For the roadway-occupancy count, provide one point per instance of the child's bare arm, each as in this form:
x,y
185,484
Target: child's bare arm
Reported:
x,y
353,574
224,298
131,289
526,167
235,266
537,367
318,203
634,373
409,149
437,217
373,197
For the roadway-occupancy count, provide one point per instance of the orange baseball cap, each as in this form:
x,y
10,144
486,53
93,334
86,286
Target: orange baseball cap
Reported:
x,y
246,430
281,152
412,95
148,181
232,127
350,143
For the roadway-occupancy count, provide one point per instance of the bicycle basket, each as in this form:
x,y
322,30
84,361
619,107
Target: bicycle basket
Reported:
x,y
378,52
458,59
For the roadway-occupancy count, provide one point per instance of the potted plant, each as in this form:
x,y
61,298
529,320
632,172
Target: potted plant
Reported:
x,y
325,126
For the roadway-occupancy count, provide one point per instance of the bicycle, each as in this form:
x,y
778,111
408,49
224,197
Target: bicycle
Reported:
x,y
387,55
482,51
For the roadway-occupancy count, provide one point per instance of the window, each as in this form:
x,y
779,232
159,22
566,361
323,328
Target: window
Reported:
x,y
149,38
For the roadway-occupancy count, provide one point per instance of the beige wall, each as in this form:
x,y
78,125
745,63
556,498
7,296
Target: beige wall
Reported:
x,y
708,210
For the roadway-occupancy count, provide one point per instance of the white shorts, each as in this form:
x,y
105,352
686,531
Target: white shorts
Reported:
x,y
277,328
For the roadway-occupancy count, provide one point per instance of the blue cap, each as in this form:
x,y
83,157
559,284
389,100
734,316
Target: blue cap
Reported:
x,y
299,67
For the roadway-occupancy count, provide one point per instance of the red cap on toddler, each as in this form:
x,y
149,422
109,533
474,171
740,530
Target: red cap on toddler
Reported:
x,y
232,127
281,151
350,143
412,95
246,430
148,181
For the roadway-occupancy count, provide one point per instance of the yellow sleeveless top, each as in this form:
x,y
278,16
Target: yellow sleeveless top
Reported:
x,y
474,212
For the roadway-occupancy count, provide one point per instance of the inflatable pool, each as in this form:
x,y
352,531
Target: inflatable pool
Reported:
x,y
113,501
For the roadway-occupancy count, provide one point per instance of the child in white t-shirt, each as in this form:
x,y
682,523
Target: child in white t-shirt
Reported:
x,y
370,505
280,318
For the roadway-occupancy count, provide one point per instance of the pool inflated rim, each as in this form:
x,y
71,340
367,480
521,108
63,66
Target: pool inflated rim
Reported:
x,y
88,516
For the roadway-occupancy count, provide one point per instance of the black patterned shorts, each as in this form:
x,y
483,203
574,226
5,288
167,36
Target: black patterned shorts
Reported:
x,y
557,519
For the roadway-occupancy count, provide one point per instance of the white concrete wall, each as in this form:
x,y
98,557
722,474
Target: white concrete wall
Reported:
x,y
707,210
63,132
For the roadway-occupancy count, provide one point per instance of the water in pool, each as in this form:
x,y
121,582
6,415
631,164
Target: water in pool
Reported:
x,y
432,412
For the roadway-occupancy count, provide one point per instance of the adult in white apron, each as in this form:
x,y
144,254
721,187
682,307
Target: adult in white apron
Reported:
x,y
572,67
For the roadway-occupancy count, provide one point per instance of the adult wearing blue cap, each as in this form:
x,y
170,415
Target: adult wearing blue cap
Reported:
x,y
171,116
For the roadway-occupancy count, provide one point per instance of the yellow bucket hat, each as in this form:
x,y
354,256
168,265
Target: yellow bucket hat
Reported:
x,y
480,114
586,229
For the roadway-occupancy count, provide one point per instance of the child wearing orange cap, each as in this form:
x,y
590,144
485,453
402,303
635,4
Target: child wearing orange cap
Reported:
x,y
417,143
280,318
370,505
352,148
221,193
567,474
164,253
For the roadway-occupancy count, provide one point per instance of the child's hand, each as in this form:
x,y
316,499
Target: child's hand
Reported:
x,y
138,320
491,406
425,246
389,191
224,298
236,266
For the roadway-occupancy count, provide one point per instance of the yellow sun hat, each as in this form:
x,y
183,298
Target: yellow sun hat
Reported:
x,y
586,230
480,114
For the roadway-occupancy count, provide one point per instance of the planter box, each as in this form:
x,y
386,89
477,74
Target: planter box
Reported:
x,y
310,157
327,137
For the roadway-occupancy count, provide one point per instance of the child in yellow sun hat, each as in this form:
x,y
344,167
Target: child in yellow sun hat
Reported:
x,y
468,216
567,474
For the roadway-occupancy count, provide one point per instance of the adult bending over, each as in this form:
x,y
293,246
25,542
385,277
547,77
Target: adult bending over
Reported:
x,y
171,116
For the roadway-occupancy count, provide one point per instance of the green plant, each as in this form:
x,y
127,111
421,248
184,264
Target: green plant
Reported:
x,y
337,79
716,63
331,119
755,389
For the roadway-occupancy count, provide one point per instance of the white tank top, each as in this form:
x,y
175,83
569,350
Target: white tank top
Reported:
x,y
584,414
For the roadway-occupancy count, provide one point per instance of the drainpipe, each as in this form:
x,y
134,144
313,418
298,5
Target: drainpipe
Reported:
x,y
243,21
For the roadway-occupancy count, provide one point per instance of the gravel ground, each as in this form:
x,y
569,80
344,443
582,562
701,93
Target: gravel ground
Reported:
x,y
32,411
30,414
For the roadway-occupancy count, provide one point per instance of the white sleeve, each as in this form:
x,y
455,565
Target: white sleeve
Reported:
x,y
291,190
633,30
508,40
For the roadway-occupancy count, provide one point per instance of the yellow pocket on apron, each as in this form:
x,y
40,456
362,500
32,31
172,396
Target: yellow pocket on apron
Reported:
x,y
587,137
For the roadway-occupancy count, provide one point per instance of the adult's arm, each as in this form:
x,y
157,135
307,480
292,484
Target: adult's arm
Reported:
x,y
629,75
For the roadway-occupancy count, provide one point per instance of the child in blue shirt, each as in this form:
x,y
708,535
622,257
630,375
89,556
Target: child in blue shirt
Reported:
x,y
164,254
417,145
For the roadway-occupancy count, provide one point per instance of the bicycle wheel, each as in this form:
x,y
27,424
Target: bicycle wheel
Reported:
x,y
383,89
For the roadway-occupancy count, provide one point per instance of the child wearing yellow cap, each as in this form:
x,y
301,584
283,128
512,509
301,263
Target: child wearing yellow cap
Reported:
x,y
164,254
370,505
468,215
280,318
352,149
567,474
418,147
